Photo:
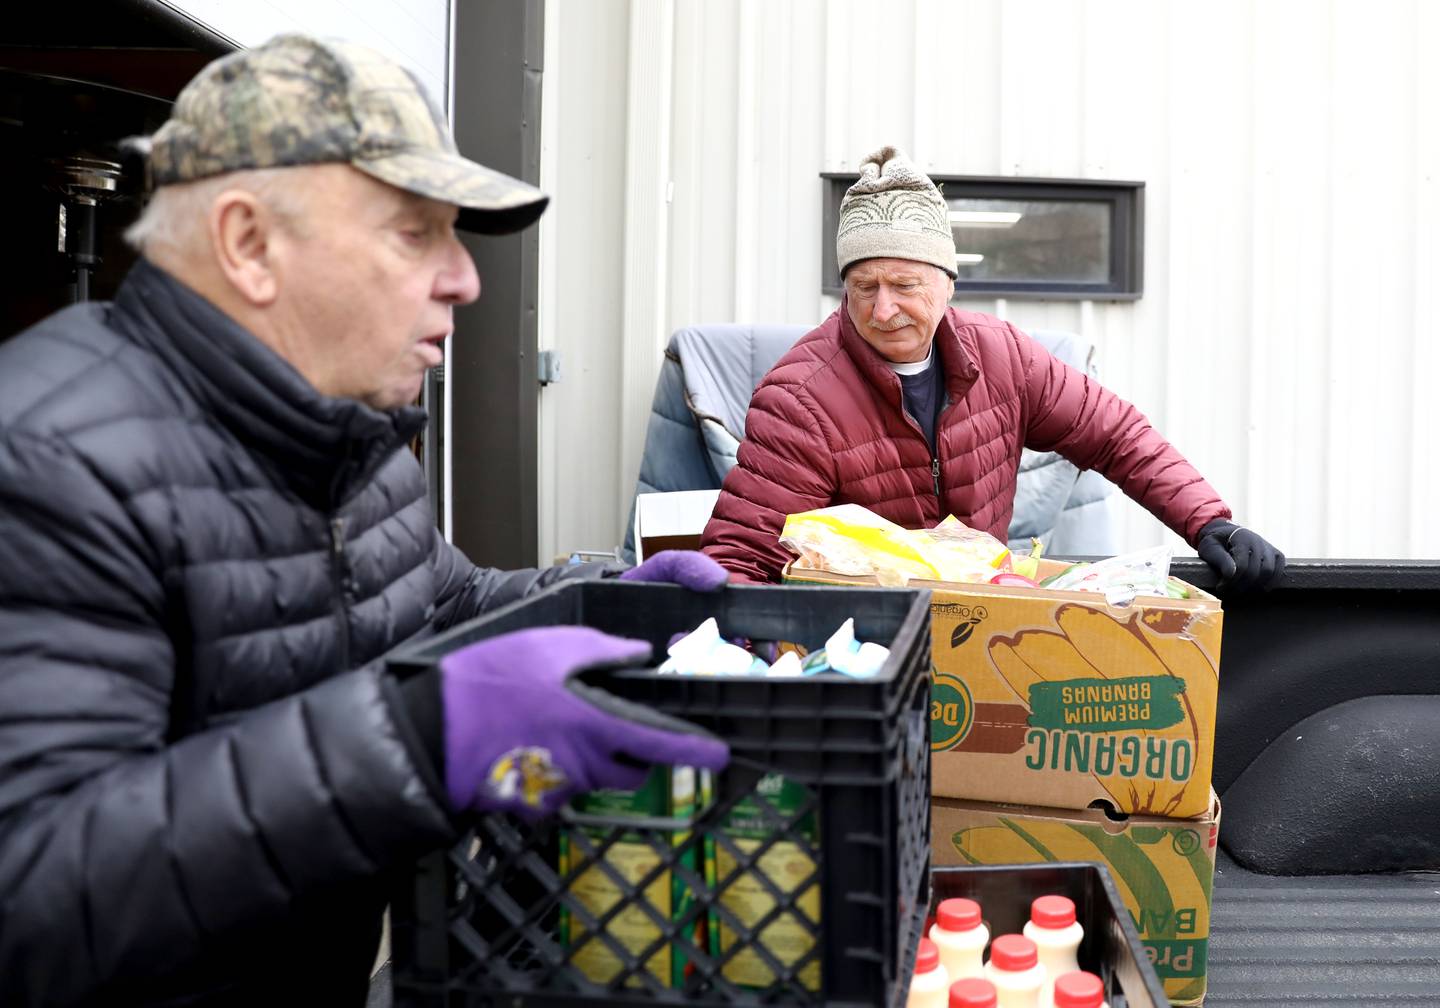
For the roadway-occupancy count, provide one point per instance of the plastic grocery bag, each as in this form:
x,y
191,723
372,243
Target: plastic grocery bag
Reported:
x,y
1119,578
850,539
962,553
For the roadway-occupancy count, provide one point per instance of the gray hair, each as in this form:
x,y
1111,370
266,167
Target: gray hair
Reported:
x,y
174,220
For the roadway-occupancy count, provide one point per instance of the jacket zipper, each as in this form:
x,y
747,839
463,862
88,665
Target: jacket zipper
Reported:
x,y
340,569
934,459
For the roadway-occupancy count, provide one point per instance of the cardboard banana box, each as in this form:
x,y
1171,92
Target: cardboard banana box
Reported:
x,y
1163,868
1056,698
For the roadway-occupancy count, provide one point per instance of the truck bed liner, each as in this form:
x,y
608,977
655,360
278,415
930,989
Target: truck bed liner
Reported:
x,y
1324,940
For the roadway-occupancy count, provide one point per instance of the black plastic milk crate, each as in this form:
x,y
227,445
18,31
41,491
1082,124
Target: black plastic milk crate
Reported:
x,y
484,923
1111,948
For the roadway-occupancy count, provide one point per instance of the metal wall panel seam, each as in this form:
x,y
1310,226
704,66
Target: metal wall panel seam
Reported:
x,y
688,196
805,153
1331,528
1397,317
1256,465
548,442
646,246
776,170
1085,324
747,191
1424,530
1268,481
1298,132
839,14
1174,317
1006,156
924,72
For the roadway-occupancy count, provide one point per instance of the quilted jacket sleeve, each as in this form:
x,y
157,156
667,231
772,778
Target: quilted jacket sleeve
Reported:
x,y
123,852
1073,414
467,590
784,466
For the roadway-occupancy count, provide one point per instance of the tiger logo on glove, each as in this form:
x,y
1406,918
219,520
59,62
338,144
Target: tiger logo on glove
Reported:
x,y
526,773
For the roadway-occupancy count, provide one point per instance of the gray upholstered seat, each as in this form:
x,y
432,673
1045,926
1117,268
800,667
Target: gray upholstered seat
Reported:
x,y
697,420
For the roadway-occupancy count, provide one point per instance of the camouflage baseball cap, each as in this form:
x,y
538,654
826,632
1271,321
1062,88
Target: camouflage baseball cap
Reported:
x,y
298,100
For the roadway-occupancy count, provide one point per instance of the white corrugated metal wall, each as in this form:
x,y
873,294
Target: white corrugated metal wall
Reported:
x,y
1290,157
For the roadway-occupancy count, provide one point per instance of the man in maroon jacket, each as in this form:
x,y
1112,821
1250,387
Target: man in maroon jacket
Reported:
x,y
918,410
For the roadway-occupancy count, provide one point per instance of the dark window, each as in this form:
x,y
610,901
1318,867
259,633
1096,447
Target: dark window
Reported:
x,y
1022,237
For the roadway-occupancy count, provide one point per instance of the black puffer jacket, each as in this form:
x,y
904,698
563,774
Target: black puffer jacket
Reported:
x,y
203,774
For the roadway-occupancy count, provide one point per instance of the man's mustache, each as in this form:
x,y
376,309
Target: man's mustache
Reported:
x,y
898,322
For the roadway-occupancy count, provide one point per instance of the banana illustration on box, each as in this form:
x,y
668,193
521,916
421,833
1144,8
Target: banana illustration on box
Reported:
x,y
1057,698
1133,716
1163,870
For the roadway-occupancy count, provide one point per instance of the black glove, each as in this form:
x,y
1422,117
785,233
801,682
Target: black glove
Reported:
x,y
1243,560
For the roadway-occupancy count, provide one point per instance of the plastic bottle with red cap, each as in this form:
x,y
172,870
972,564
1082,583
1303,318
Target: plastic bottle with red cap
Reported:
x,y
973,992
961,936
930,986
1078,990
1015,970
1057,936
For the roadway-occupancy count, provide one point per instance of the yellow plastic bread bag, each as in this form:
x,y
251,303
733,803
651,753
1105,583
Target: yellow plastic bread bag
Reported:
x,y
850,539
966,554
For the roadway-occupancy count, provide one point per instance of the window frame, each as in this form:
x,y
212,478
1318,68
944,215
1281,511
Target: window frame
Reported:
x,y
1125,280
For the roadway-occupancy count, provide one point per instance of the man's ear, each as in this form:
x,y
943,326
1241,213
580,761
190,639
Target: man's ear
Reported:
x,y
945,282
242,234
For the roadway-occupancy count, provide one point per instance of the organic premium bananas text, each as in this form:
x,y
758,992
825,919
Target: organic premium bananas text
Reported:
x,y
1131,722
1129,756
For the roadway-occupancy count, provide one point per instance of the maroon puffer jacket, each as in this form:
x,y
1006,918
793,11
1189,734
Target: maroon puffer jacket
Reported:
x,y
827,426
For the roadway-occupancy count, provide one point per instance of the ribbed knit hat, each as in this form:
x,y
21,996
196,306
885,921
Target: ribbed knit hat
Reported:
x,y
894,211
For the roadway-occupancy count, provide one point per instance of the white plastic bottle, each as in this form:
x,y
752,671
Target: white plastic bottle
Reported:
x,y
929,987
1014,968
973,992
961,937
1079,990
1057,936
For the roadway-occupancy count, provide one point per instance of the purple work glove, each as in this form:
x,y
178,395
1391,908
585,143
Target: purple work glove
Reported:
x,y
523,734
687,568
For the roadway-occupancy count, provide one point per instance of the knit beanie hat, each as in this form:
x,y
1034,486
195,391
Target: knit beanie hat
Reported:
x,y
894,211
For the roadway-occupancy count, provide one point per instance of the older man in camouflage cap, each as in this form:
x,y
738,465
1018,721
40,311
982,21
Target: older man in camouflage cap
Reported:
x,y
381,188
211,533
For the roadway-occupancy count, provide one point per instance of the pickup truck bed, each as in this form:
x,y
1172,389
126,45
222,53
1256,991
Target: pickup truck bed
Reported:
x,y
1323,940
1327,762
